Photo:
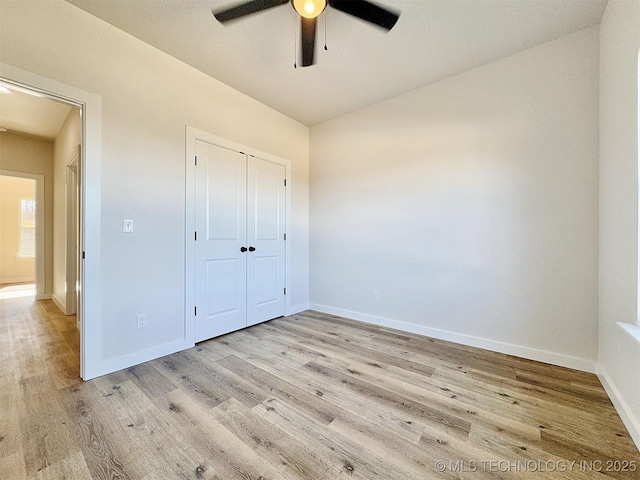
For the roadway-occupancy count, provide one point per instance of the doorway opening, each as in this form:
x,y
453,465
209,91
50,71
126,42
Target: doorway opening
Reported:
x,y
40,138
22,241
18,234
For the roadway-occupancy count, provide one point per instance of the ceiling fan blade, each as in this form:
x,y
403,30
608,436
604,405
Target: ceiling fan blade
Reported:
x,y
367,11
308,38
246,8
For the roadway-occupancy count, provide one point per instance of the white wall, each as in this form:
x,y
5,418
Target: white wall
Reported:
x,y
19,153
147,99
470,205
619,354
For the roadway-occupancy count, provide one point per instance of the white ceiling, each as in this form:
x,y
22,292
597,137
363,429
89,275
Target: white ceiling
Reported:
x,y
432,40
31,114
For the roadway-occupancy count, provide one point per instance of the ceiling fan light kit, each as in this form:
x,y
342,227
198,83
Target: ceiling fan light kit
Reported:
x,y
309,10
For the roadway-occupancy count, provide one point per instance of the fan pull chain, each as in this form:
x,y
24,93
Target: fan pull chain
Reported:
x,y
295,49
325,31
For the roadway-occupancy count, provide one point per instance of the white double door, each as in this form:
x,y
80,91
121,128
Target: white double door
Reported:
x,y
239,241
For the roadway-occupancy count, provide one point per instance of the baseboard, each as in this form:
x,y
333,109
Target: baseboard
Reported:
x,y
119,363
44,296
293,309
17,280
113,365
59,303
622,407
544,356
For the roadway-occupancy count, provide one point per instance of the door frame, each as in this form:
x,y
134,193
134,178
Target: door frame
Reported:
x,y
89,296
192,135
39,272
72,232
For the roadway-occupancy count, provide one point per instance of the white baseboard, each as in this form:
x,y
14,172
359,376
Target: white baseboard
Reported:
x,y
293,309
59,303
544,356
114,364
44,296
17,280
622,407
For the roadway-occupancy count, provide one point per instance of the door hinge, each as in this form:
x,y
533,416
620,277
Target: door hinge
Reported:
x,y
285,182
285,237
285,291
83,255
195,236
195,311
196,157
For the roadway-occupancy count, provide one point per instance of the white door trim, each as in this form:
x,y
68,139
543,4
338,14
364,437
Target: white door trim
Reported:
x,y
192,135
71,264
90,307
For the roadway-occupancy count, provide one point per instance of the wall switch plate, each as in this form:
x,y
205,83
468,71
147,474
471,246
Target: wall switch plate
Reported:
x,y
127,225
376,296
142,320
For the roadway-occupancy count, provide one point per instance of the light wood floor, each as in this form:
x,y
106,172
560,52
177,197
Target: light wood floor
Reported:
x,y
306,397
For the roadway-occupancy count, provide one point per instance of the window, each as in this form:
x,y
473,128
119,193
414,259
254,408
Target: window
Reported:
x,y
27,245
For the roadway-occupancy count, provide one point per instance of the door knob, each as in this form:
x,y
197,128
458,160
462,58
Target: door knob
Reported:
x,y
243,249
252,249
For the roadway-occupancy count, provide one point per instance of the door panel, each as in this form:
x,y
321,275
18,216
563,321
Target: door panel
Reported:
x,y
265,270
221,268
225,203
265,232
221,296
265,201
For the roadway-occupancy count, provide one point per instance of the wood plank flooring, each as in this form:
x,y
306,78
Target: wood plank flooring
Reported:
x,y
310,396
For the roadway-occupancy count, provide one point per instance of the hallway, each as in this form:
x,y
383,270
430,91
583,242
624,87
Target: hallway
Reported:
x,y
39,354
37,340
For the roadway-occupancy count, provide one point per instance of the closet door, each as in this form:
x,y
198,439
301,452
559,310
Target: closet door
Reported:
x,y
221,232
266,194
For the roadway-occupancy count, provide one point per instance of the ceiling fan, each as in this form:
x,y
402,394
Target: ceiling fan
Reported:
x,y
309,11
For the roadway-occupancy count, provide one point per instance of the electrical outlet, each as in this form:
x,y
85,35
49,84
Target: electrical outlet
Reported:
x,y
376,296
142,320
127,225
